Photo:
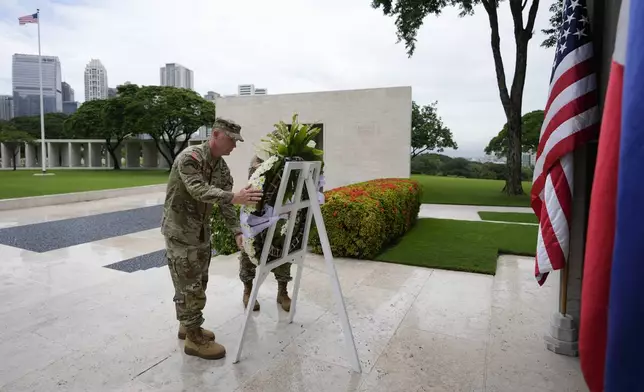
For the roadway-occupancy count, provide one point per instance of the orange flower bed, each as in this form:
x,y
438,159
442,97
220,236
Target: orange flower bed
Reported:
x,y
362,219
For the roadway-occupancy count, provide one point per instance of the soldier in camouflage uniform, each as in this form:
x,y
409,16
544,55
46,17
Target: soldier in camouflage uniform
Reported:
x,y
199,178
247,268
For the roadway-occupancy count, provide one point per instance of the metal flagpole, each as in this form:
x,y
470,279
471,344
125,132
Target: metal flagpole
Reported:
x,y
42,109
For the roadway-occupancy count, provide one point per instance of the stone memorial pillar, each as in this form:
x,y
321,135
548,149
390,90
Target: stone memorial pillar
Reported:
x,y
30,155
94,154
133,154
75,154
54,154
5,154
150,155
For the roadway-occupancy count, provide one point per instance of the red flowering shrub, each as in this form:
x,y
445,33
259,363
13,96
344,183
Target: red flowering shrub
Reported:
x,y
362,219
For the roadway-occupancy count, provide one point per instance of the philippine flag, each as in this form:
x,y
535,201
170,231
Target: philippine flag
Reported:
x,y
611,341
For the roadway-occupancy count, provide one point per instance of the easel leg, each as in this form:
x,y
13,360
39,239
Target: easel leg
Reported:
x,y
259,279
344,317
296,289
333,275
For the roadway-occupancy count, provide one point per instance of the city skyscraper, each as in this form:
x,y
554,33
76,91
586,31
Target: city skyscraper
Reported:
x,y
177,75
6,107
68,92
26,89
69,105
95,81
212,96
250,89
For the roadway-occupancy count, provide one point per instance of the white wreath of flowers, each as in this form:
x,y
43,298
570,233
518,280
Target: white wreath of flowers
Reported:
x,y
271,151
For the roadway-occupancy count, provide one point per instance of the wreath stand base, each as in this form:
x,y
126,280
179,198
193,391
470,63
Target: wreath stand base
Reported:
x,y
308,179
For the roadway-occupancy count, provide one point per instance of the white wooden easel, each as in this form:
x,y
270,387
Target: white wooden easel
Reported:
x,y
309,176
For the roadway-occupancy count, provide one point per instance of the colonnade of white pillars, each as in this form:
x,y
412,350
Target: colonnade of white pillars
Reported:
x,y
90,154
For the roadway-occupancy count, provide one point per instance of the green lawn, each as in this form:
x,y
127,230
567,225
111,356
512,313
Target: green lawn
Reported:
x,y
461,245
508,217
450,190
23,183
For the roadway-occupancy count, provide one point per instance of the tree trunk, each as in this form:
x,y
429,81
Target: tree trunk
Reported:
x,y
15,155
117,162
513,184
168,159
512,101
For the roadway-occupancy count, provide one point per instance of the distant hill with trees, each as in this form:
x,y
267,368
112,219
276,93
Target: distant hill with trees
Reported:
x,y
434,164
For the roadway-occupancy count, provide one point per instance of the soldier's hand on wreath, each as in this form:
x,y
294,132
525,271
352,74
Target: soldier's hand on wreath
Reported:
x,y
239,238
247,196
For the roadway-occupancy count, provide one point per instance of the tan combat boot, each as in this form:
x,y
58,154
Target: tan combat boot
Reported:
x,y
282,296
199,346
248,287
207,334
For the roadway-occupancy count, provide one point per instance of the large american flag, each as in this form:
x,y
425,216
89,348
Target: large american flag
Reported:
x,y
33,18
571,119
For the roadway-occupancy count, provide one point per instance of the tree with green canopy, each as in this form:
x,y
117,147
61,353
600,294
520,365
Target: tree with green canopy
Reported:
x,y
170,115
13,139
556,21
54,125
410,15
104,118
427,130
531,129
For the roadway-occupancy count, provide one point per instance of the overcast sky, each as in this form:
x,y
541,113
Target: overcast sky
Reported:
x,y
286,46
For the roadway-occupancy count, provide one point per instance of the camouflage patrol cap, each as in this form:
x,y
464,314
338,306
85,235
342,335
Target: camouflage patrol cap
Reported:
x,y
229,127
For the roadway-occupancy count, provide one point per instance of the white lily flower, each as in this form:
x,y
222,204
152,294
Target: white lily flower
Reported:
x,y
261,150
311,144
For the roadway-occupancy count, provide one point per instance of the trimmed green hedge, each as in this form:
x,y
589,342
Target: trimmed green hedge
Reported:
x,y
362,219
222,239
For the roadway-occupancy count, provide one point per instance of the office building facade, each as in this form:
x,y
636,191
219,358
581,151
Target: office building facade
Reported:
x,y
6,107
177,75
26,87
212,96
68,92
95,81
250,89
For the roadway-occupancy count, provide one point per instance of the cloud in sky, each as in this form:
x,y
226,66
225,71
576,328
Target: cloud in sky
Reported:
x,y
286,46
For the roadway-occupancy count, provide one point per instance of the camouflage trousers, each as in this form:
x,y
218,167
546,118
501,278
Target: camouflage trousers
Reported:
x,y
188,266
247,270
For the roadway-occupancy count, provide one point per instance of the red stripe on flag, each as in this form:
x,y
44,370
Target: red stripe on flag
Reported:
x,y
568,111
579,71
600,238
562,148
562,189
550,241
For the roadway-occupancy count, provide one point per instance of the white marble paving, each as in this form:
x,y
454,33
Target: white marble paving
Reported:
x,y
9,218
462,212
68,324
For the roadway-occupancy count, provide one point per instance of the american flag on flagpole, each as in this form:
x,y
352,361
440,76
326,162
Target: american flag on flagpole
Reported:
x,y
571,119
33,18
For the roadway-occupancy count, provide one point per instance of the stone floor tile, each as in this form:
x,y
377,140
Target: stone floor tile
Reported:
x,y
417,361
374,315
544,371
453,303
292,372
398,277
266,337
23,352
104,369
